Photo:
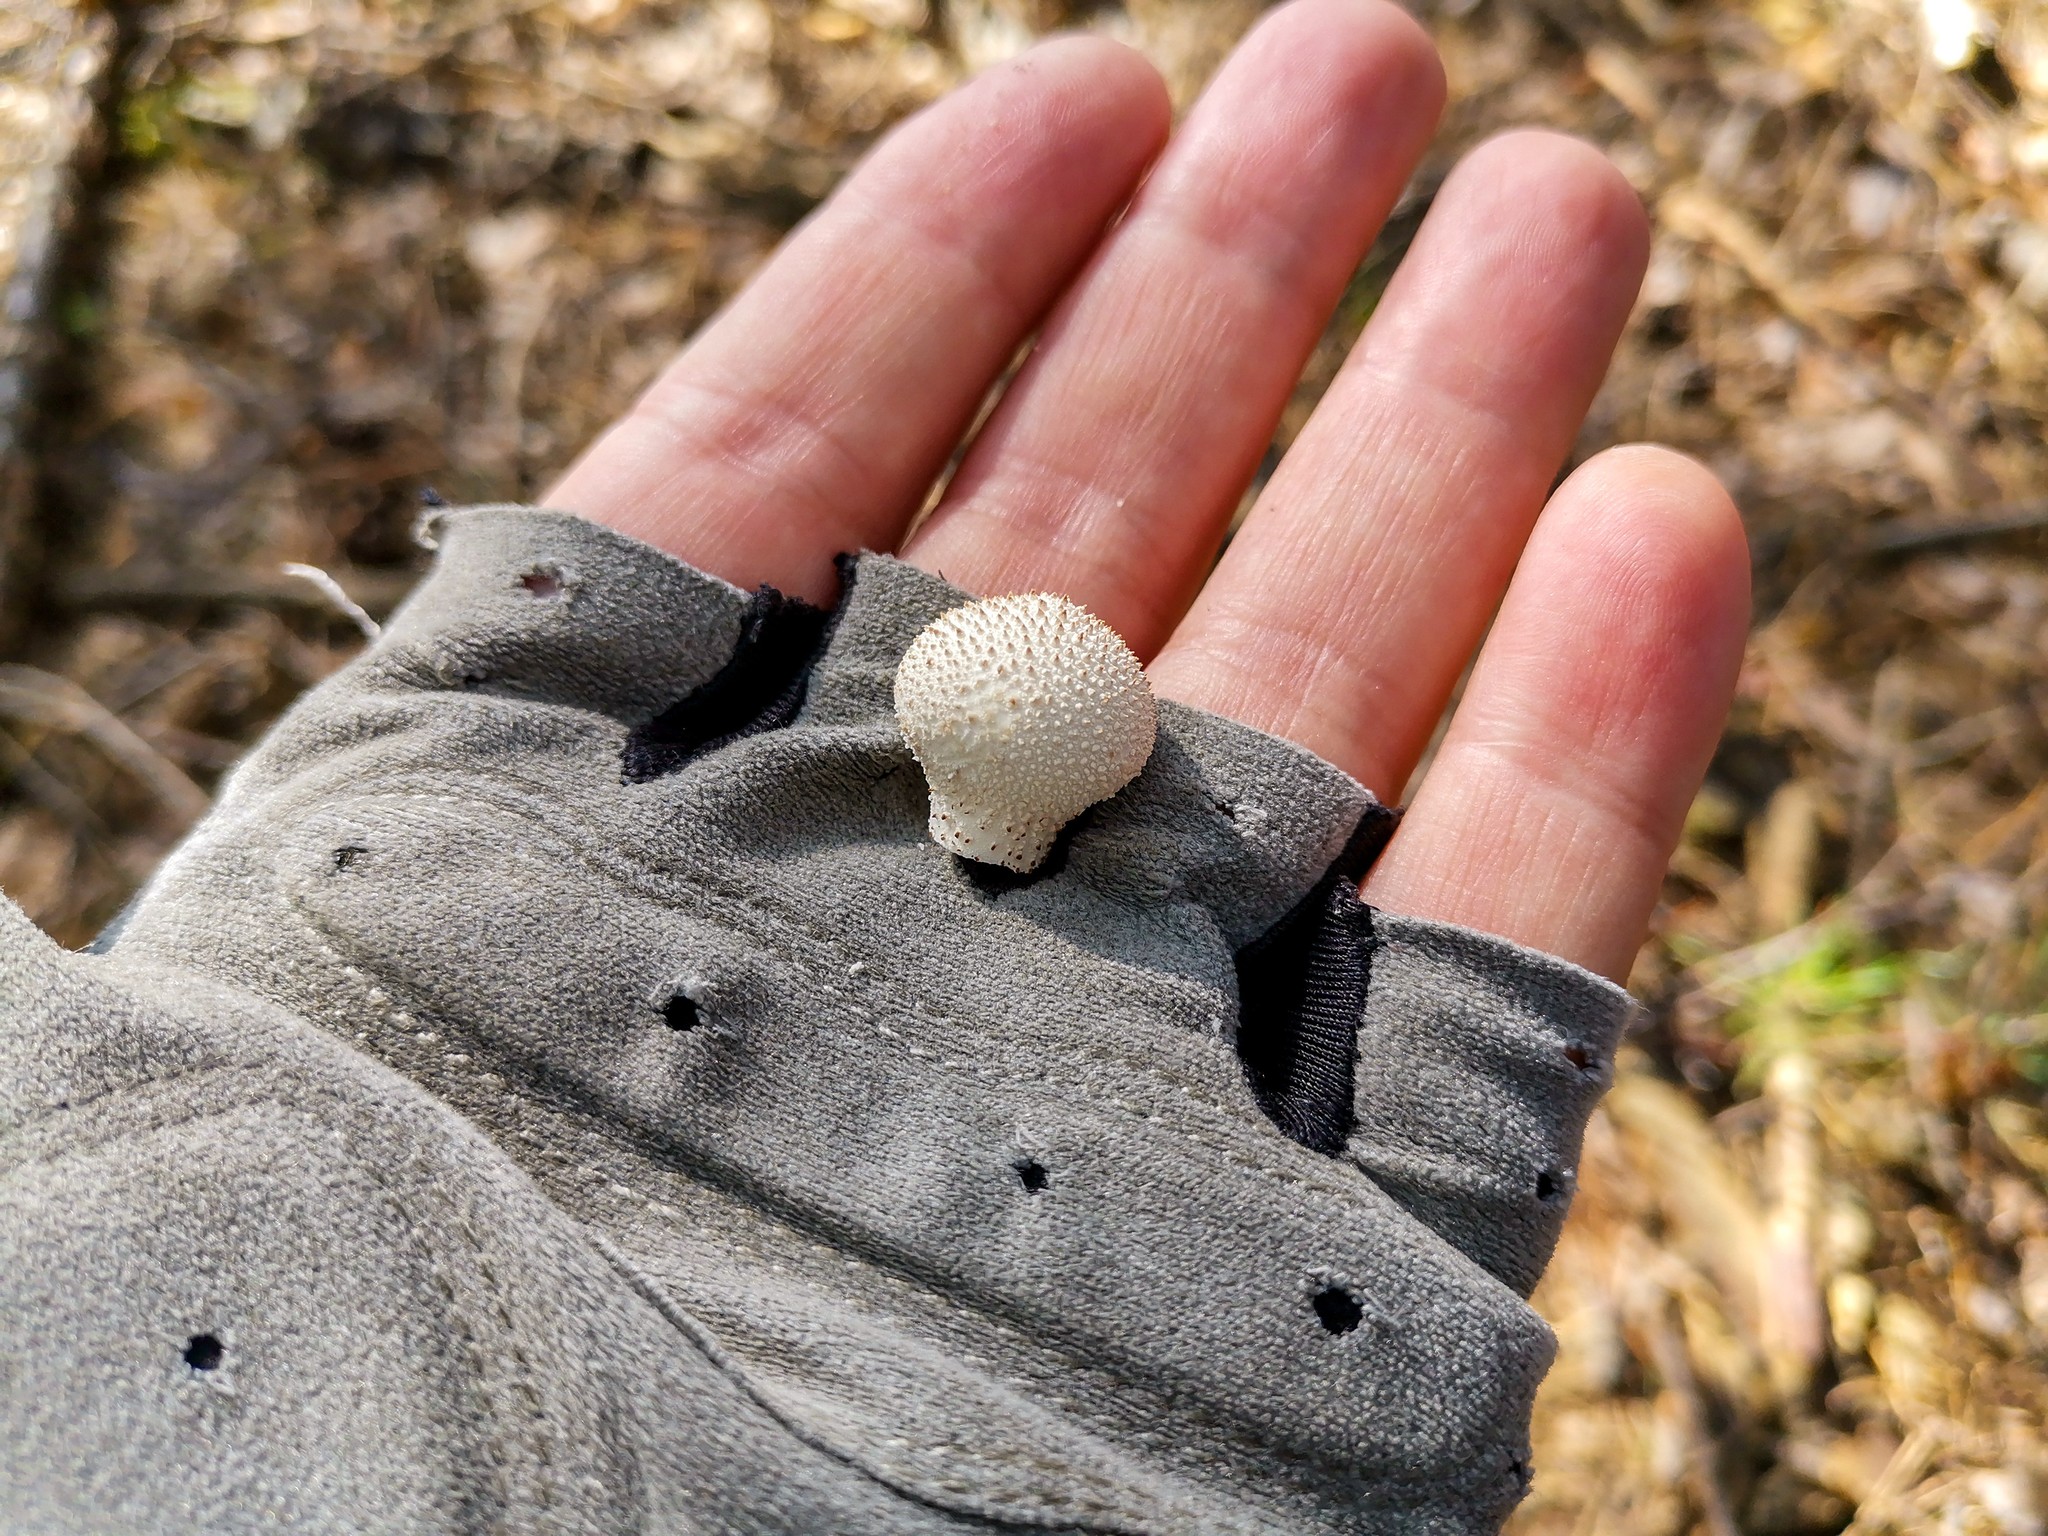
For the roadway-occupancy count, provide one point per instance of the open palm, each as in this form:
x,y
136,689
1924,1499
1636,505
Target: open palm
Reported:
x,y
1176,291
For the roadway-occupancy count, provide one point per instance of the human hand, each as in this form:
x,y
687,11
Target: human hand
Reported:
x,y
814,413
769,1170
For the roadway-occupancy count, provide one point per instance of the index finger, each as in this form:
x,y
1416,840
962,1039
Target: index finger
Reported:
x,y
812,415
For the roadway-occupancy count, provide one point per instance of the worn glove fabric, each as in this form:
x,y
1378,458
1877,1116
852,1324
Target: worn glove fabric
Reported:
x,y
561,1088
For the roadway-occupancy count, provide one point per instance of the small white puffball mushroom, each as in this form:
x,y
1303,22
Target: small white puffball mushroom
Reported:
x,y
1023,712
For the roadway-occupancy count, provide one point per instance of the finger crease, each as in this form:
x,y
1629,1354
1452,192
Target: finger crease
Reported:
x,y
943,240
1466,410
1275,281
1612,804
760,435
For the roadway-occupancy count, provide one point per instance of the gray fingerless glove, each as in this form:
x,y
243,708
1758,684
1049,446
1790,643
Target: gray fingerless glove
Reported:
x,y
561,1088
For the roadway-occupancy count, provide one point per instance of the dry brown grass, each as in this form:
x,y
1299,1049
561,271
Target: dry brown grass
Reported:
x,y
341,251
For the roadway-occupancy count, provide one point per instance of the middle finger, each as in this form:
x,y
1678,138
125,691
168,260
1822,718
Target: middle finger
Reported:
x,y
1113,461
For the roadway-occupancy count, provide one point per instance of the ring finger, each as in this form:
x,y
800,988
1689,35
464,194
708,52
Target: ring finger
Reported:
x,y
1358,588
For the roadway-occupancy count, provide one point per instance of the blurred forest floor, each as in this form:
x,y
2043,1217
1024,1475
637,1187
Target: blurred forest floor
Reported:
x,y
267,269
